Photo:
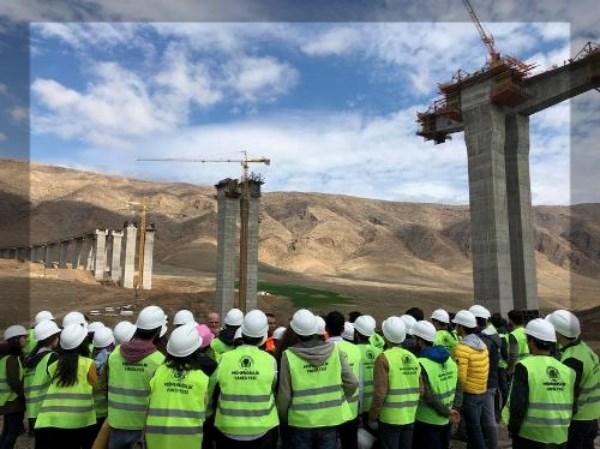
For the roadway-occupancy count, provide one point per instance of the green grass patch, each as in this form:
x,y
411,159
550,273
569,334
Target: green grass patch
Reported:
x,y
304,296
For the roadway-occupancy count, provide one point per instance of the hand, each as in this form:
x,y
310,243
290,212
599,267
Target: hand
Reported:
x,y
454,417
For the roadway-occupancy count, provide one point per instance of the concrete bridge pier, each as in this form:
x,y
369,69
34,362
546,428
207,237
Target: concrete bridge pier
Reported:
x,y
148,258
253,244
129,255
99,254
63,253
115,259
76,252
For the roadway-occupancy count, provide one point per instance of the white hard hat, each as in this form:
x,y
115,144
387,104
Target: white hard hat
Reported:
x,y
72,336
394,329
409,321
183,316
45,329
348,333
365,325
74,317
184,341
95,326
321,325
304,323
124,332
480,312
151,317
163,330
441,315
465,318
103,337
234,317
43,315
16,330
364,439
541,329
425,330
565,323
278,333
255,324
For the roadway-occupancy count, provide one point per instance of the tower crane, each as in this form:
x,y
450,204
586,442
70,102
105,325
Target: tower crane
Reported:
x,y
486,36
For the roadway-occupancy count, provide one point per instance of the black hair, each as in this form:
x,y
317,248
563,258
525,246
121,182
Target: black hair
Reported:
x,y
469,330
305,337
269,315
440,323
288,339
416,313
352,316
147,334
497,320
334,323
540,344
12,347
252,341
359,338
516,316
425,342
481,322
43,343
67,364
192,361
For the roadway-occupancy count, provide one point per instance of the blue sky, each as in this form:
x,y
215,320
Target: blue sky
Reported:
x,y
333,105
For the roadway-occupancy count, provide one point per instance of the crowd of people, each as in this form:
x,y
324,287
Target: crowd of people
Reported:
x,y
320,382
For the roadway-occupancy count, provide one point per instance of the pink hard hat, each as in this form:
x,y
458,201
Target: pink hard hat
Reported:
x,y
206,334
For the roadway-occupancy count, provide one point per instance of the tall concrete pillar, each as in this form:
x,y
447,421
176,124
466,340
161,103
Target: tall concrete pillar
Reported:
x,y
100,254
253,244
129,257
89,248
148,258
520,214
228,206
48,255
63,251
115,260
76,252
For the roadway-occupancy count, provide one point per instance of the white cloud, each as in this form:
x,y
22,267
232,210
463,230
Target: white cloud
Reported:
x,y
334,41
257,78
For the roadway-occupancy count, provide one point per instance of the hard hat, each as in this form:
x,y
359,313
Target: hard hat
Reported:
x,y
124,332
45,329
74,317
183,316
425,330
205,333
151,317
304,323
465,318
394,329
320,325
103,337
234,317
163,330
409,321
255,324
348,333
365,439
441,315
480,312
184,341
278,333
541,329
43,315
72,336
365,325
16,330
95,326
565,323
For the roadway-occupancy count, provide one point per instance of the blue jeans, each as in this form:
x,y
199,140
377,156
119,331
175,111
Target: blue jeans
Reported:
x,y
488,419
320,438
472,409
124,439
395,437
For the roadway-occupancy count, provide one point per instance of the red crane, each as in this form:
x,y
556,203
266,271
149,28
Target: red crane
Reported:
x,y
486,36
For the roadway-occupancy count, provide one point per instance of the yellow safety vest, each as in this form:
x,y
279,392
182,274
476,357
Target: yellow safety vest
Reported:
x,y
402,398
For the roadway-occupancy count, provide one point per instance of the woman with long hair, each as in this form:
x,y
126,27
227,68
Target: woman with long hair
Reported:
x,y
103,343
67,418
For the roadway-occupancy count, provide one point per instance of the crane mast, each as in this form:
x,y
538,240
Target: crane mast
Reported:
x,y
486,37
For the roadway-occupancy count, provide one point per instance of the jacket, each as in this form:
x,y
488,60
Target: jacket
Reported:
x,y
493,343
473,362
439,355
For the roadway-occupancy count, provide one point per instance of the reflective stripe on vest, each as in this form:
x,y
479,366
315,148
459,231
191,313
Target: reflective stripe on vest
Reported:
x,y
317,395
68,407
368,354
177,409
588,402
354,360
402,399
442,378
6,393
128,389
36,383
521,338
246,404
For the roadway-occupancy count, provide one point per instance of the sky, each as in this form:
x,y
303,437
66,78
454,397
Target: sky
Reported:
x,y
332,105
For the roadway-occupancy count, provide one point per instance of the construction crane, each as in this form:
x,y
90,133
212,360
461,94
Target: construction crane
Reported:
x,y
244,205
486,37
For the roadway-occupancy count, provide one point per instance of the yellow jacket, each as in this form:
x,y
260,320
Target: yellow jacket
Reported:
x,y
473,361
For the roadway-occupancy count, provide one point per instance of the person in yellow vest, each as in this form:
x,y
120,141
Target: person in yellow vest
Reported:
x,y
103,343
67,419
130,368
517,340
246,378
348,431
42,315
364,328
224,342
179,394
12,397
439,379
183,317
315,385
444,337
396,389
541,400
577,355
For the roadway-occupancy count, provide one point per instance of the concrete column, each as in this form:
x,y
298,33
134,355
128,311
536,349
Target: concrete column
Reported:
x,y
253,244
89,250
148,258
100,254
76,252
47,256
28,254
115,260
520,215
62,256
129,257
228,206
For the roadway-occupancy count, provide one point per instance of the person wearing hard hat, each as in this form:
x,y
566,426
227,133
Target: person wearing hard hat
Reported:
x,y
541,400
123,332
396,389
444,336
472,357
42,315
130,368
518,348
67,417
270,344
92,328
501,326
348,432
12,397
577,355
364,328
213,321
409,341
103,343
315,385
439,379
183,317
179,394
246,379
224,341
